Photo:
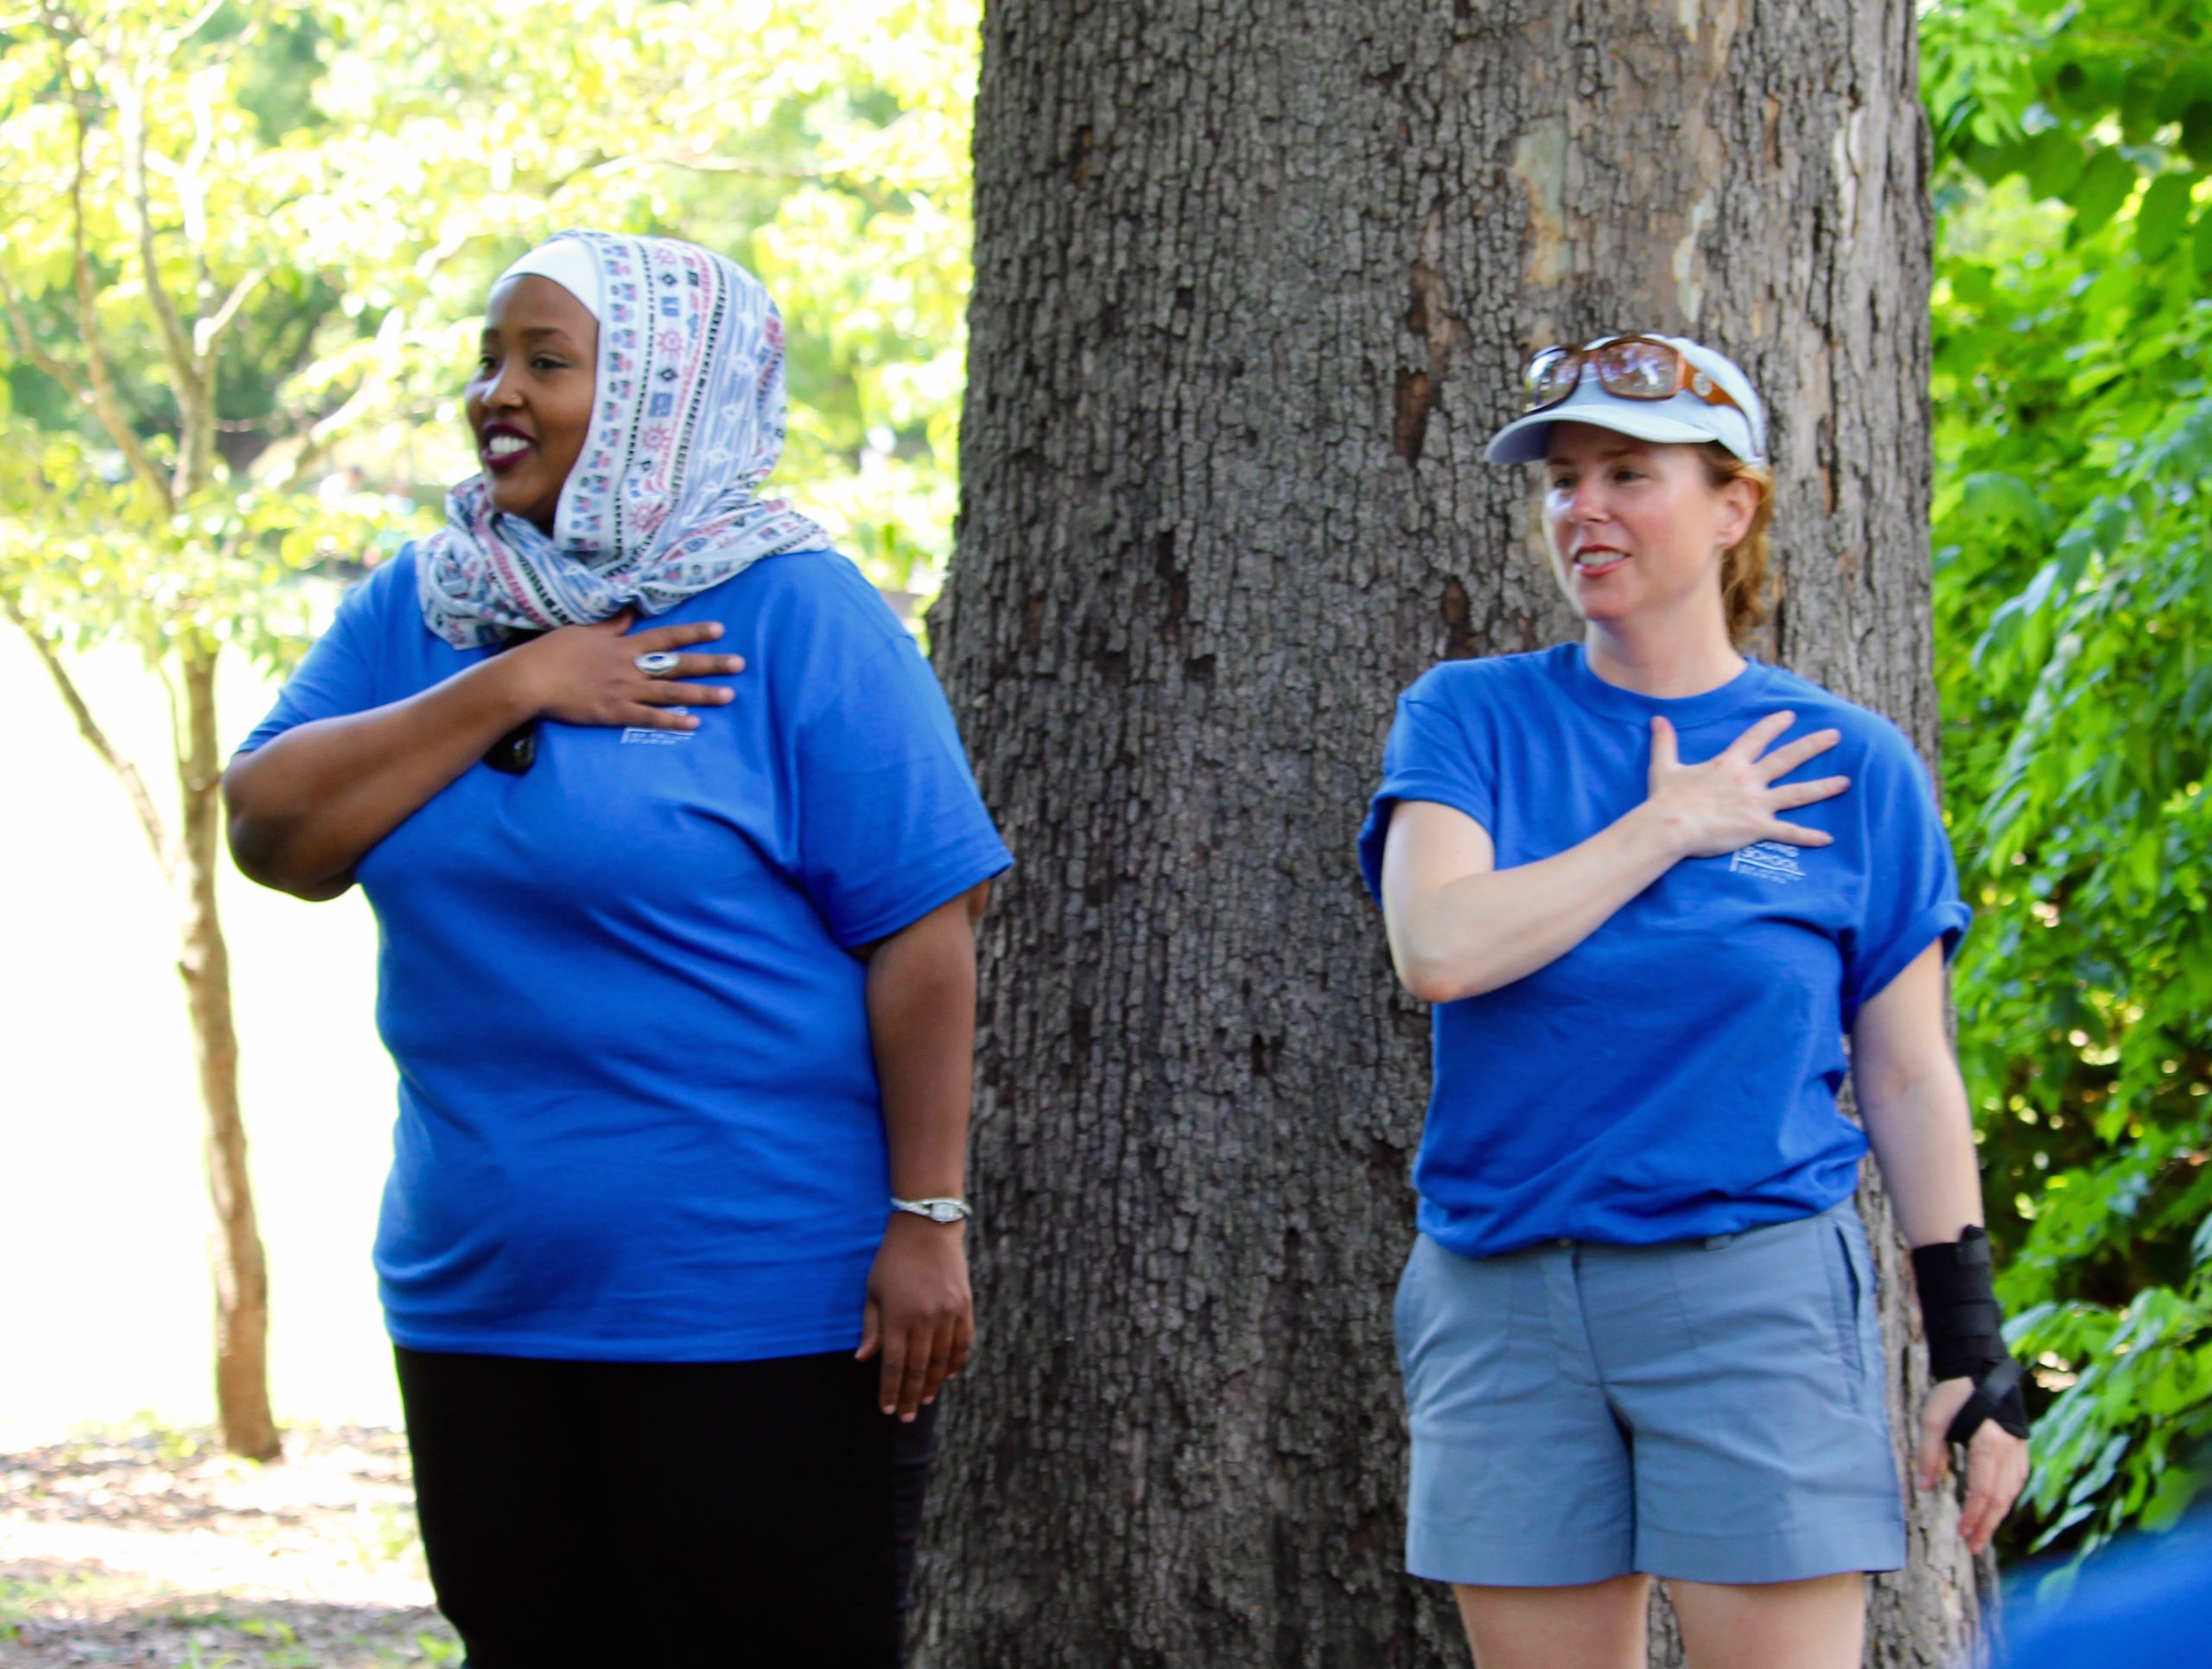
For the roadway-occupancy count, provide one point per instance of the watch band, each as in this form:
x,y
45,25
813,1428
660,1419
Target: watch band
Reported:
x,y
937,1210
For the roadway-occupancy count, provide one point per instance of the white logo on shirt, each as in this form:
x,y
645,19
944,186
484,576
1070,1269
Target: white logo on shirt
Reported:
x,y
646,733
1771,859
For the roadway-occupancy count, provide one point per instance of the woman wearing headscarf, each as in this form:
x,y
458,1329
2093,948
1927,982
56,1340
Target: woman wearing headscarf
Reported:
x,y
1651,887
677,969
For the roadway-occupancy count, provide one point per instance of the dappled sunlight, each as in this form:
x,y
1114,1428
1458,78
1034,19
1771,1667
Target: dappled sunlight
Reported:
x,y
146,1545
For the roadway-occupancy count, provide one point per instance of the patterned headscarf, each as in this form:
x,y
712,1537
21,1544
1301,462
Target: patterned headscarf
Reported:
x,y
688,420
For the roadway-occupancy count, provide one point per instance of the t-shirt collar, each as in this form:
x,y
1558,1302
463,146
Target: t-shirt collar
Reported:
x,y
1683,711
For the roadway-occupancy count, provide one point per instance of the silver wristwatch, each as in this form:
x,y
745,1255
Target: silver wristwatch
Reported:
x,y
935,1210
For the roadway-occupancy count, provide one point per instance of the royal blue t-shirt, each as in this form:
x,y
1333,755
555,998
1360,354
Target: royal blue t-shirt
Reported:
x,y
2145,1603
639,1116
1676,1074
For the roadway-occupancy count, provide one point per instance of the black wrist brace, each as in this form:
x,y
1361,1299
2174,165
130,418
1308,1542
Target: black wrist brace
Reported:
x,y
1965,1337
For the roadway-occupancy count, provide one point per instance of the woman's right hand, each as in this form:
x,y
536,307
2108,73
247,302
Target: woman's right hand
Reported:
x,y
587,674
1731,801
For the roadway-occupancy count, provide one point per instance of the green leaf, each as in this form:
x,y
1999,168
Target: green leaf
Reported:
x,y
2177,1490
2196,132
2072,88
2138,107
1993,498
2200,1244
2162,214
2145,856
2105,184
2075,546
2190,82
2053,161
1992,162
1971,285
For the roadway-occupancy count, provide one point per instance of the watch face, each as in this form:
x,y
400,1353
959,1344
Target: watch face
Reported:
x,y
943,1211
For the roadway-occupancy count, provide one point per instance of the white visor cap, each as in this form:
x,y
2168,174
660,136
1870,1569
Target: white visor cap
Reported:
x,y
1684,420
567,263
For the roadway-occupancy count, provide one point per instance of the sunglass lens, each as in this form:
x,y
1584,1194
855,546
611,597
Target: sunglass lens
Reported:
x,y
1550,377
1637,371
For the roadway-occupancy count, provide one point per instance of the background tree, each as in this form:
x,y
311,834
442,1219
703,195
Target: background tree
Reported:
x,y
245,246
134,278
1254,283
2075,433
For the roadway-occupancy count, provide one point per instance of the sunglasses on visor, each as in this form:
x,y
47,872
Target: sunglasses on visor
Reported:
x,y
1627,367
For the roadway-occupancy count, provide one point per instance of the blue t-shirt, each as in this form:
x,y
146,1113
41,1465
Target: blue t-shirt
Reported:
x,y
639,1116
1675,1074
2146,1604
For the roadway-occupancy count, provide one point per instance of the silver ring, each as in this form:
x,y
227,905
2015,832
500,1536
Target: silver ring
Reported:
x,y
658,664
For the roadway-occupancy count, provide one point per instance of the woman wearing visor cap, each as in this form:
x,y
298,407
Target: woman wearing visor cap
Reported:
x,y
1651,887
679,977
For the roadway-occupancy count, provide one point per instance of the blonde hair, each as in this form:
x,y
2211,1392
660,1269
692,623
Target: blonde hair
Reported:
x,y
1745,578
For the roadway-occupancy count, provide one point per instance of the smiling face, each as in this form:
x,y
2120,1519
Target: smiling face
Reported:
x,y
1638,529
529,400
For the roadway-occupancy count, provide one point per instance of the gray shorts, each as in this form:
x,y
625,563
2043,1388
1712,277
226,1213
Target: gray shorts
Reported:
x,y
1706,1410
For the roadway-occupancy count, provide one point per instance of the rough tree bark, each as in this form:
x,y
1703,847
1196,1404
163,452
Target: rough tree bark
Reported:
x,y
1253,280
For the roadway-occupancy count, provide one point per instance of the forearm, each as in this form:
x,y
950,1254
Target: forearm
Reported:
x,y
1485,930
308,806
1922,1132
921,1014
1913,1103
920,1314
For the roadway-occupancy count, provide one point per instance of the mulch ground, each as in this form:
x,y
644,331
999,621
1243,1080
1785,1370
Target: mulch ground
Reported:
x,y
153,1547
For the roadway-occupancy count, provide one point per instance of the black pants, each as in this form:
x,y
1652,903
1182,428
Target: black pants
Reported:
x,y
665,1514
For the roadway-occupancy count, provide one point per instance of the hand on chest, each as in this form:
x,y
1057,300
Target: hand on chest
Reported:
x,y
1546,805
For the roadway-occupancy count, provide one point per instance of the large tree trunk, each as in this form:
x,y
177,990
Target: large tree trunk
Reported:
x,y
1253,281
235,1259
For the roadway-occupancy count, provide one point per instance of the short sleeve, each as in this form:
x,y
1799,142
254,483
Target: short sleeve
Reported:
x,y
1430,756
891,824
1911,896
338,674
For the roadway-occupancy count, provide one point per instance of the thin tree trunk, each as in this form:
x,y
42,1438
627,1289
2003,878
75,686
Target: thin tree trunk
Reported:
x,y
235,1259
1253,282
190,865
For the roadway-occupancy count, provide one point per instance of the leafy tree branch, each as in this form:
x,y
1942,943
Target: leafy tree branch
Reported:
x,y
150,820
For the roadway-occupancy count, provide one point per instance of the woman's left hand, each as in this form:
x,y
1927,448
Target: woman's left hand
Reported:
x,y
1997,1462
920,1314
